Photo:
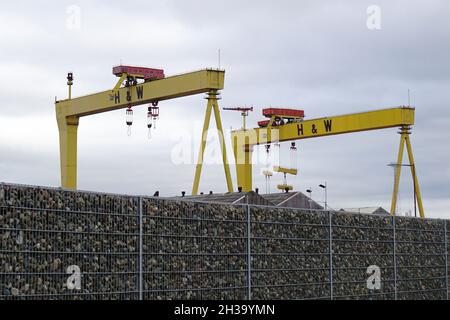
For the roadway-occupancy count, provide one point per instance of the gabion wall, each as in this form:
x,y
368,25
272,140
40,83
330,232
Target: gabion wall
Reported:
x,y
44,231
194,251
150,248
422,270
290,254
360,241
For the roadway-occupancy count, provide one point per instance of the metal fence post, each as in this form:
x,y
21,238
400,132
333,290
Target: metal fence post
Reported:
x,y
141,228
395,257
249,255
330,249
446,256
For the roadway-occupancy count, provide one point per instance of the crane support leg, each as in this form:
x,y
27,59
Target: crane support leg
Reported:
x,y
398,170
414,176
223,148
404,139
68,129
198,168
244,170
212,105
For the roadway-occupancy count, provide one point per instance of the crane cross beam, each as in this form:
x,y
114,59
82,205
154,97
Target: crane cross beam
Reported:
x,y
365,121
168,88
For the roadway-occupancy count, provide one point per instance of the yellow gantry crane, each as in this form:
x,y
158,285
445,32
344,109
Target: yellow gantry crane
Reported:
x,y
137,86
281,128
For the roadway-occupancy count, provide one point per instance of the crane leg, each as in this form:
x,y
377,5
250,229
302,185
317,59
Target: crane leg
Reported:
x,y
223,148
243,156
414,176
398,170
68,129
212,106
198,169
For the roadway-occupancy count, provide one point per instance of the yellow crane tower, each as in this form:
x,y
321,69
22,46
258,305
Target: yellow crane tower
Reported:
x,y
281,128
137,86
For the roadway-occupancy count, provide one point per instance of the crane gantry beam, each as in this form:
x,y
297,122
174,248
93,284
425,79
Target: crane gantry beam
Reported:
x,y
364,121
244,140
69,111
178,86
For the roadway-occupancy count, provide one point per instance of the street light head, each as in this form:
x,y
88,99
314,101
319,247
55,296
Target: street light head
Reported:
x,y
396,165
392,164
322,186
309,191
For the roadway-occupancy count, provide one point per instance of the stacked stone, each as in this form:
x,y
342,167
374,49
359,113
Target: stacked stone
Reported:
x,y
359,242
290,257
421,262
44,231
194,250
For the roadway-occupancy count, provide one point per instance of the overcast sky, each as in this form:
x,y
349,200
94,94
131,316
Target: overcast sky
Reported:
x,y
316,55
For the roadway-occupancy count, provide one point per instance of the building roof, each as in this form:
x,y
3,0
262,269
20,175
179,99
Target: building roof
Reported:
x,y
281,199
292,200
366,210
231,198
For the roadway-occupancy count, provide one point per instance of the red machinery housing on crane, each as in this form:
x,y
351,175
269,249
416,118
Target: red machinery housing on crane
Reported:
x,y
147,74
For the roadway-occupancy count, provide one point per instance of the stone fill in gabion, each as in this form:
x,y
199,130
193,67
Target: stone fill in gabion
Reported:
x,y
194,251
44,231
421,263
290,254
361,241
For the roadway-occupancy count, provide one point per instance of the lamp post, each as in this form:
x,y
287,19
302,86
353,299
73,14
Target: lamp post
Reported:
x,y
413,169
324,187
